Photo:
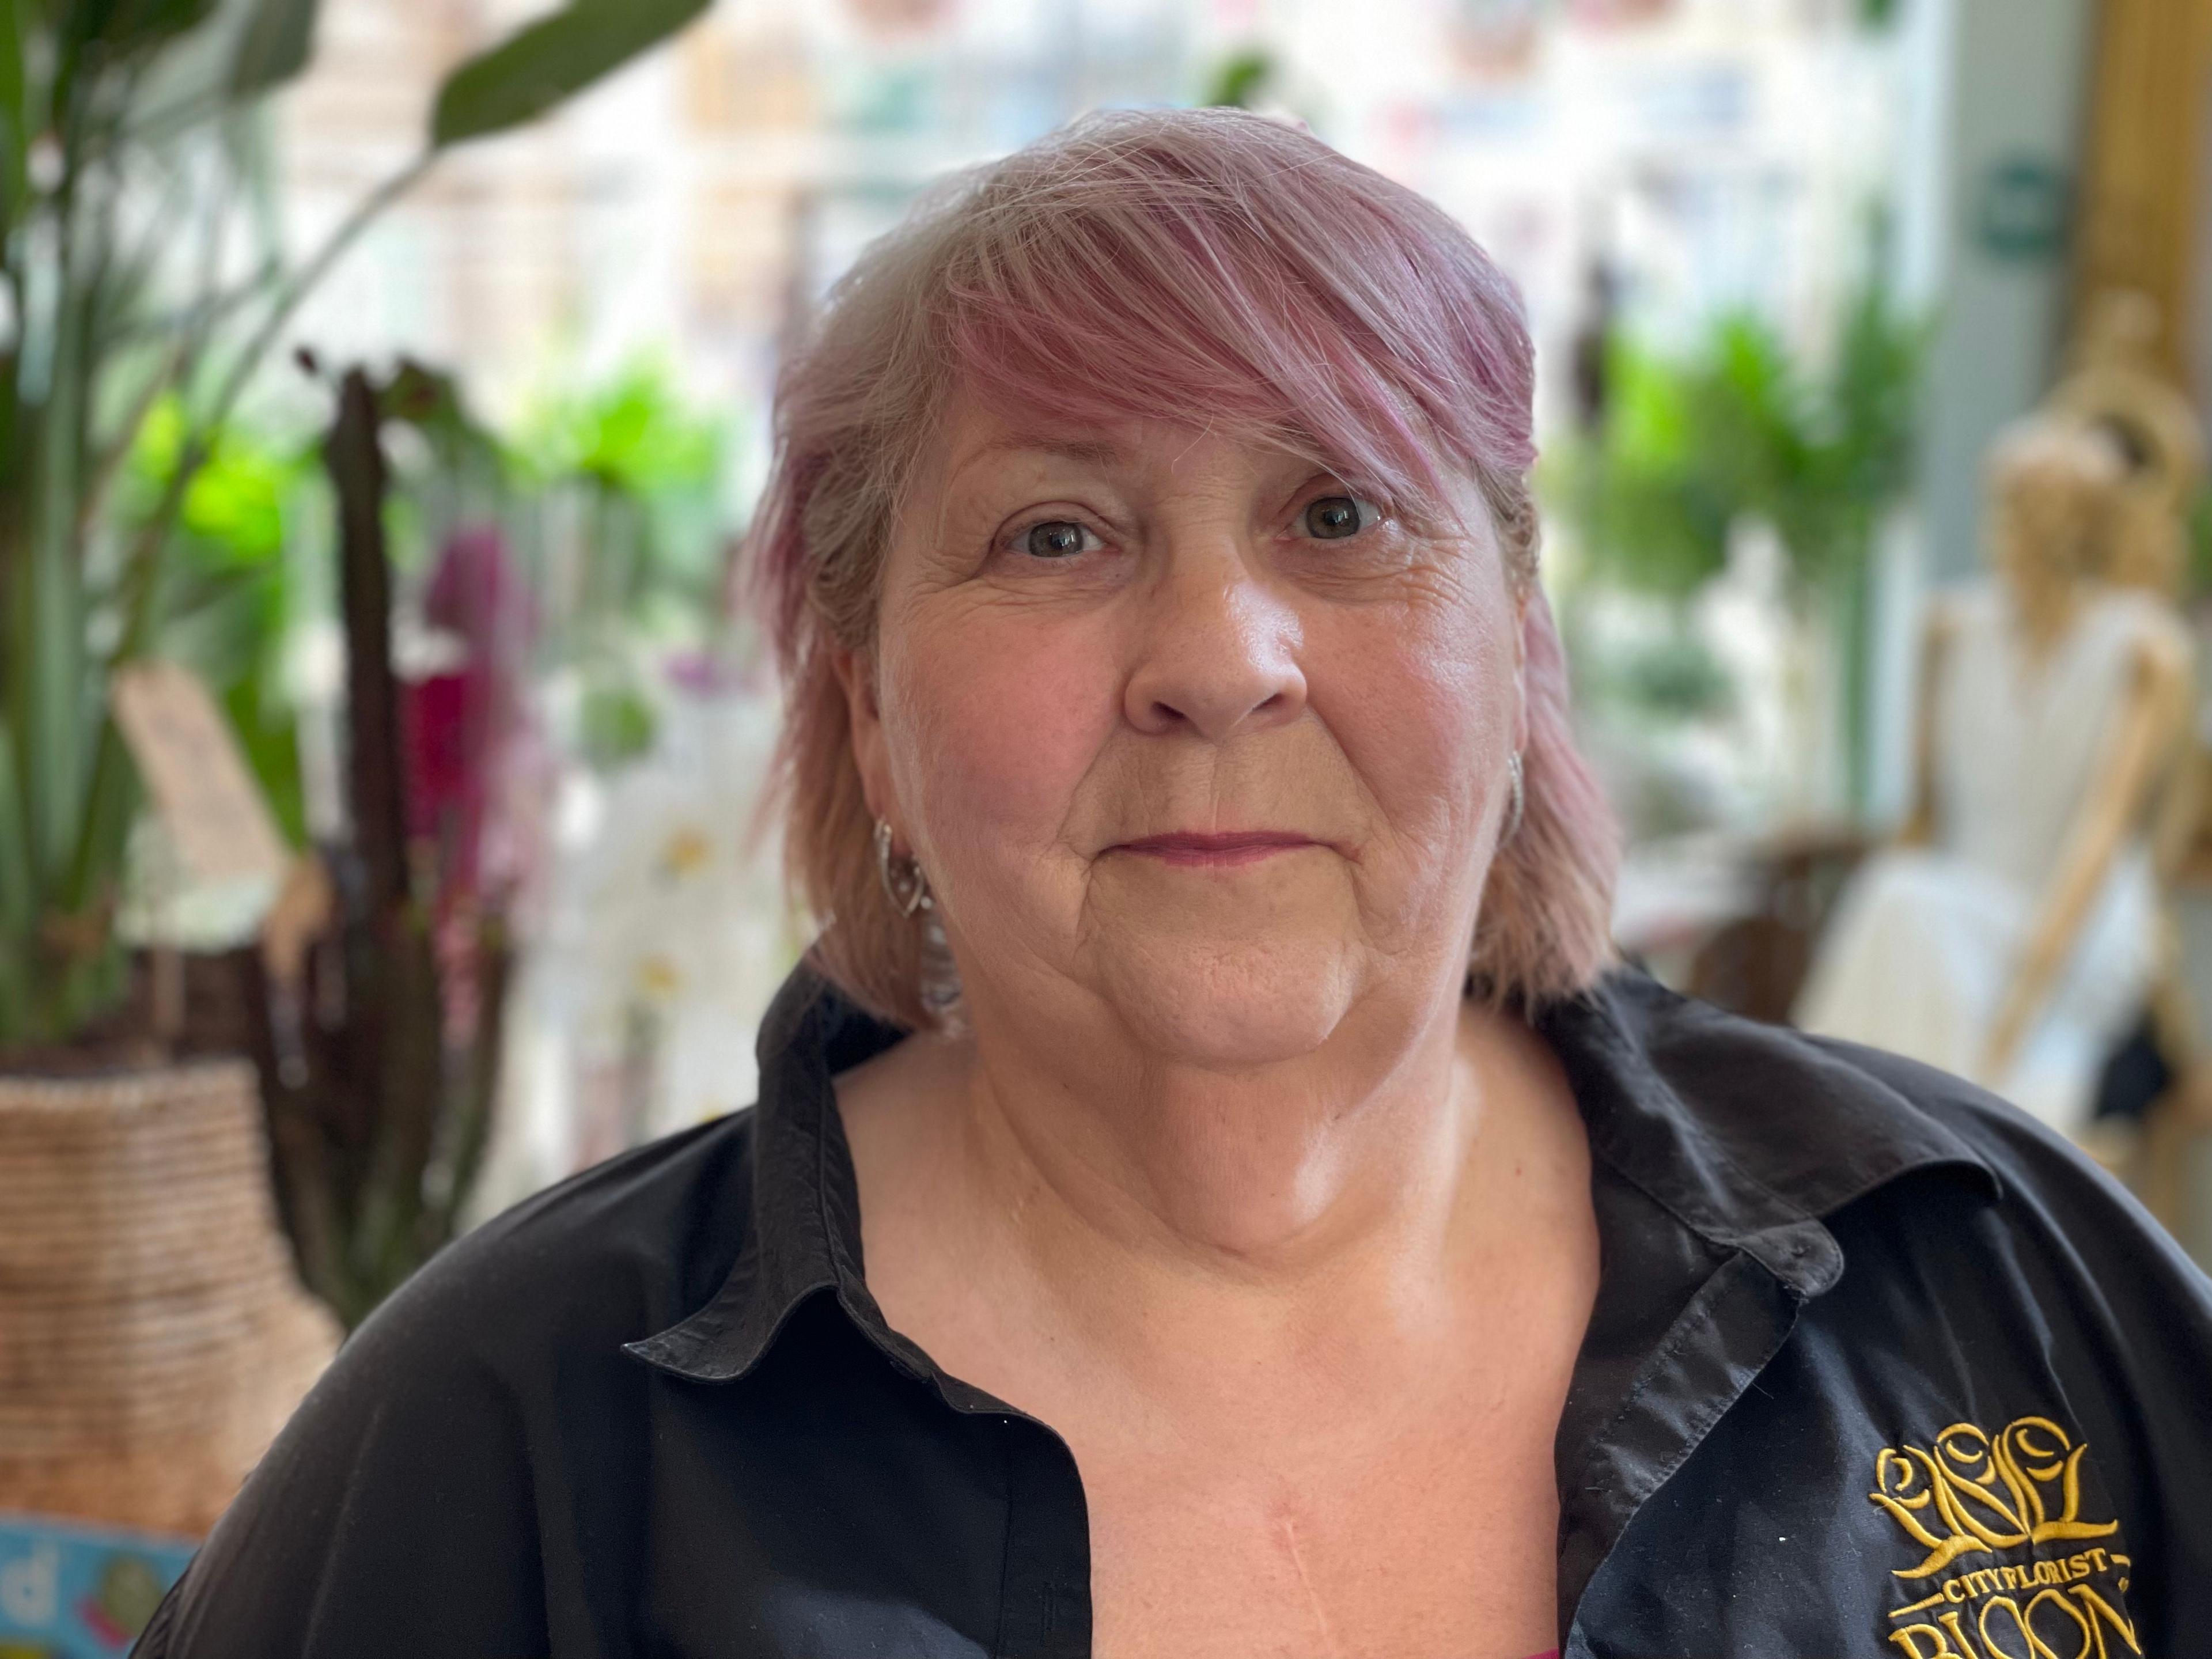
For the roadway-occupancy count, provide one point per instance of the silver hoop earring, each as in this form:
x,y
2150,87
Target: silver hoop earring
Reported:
x,y
908,888
1518,802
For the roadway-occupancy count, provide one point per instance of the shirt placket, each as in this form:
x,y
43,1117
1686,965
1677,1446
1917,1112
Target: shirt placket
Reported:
x,y
1725,1337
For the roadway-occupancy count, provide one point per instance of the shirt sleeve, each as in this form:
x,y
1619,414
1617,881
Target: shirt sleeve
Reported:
x,y
392,1515
2144,1336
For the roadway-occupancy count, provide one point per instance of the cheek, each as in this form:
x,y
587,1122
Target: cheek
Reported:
x,y
1422,700
992,723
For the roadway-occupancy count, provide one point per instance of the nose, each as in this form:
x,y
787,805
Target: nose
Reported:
x,y
1219,653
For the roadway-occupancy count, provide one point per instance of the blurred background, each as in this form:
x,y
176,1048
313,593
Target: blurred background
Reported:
x,y
386,392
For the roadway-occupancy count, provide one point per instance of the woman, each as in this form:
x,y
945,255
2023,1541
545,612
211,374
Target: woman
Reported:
x,y
1210,1193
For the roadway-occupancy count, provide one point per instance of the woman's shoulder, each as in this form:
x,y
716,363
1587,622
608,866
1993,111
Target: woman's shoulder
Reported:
x,y
2052,1312
1822,1124
1950,1279
1944,1197
495,1375
639,1238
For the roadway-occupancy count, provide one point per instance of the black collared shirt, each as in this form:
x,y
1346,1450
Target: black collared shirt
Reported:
x,y
1877,1366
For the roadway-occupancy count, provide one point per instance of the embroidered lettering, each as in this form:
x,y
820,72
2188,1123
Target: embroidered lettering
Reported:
x,y
2007,1495
1924,1642
2102,1614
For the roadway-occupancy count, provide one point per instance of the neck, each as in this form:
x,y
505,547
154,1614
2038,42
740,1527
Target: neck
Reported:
x,y
1364,1210
1337,1201
1256,1174
2046,605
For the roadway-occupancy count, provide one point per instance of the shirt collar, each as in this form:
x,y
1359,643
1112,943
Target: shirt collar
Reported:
x,y
805,1236
1748,1135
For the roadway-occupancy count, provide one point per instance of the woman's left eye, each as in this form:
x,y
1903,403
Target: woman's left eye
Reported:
x,y
1059,538
1332,518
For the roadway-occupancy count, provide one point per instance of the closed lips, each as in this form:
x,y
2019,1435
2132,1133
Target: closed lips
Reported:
x,y
1234,847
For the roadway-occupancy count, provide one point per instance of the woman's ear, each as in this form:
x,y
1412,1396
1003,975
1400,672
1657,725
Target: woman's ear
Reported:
x,y
856,677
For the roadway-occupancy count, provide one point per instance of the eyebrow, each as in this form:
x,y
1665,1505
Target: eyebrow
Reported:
x,y
1097,451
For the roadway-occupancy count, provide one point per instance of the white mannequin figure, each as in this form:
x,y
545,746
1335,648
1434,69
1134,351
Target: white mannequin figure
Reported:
x,y
2011,934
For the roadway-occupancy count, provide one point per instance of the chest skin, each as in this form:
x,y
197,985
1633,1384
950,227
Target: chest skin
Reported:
x,y
1341,1454
1408,1532
1338,1505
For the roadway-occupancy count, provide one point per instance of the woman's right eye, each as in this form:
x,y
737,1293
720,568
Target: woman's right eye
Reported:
x,y
1060,538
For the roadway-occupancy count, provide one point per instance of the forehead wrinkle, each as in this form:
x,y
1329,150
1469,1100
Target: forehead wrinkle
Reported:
x,y
1088,452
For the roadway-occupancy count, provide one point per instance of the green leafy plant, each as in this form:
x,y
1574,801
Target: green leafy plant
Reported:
x,y
232,598
1740,428
131,166
647,465
640,467
1647,494
1239,81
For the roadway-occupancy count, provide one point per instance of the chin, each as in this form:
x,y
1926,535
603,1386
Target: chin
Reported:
x,y
1233,1008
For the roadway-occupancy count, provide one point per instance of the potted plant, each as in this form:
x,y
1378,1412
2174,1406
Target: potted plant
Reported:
x,y
133,1198
1684,450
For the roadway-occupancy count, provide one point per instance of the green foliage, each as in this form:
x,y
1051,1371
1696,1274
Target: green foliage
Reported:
x,y
233,511
230,598
462,476
635,433
14,113
1646,496
1740,429
615,724
120,29
648,465
1239,80
275,45
640,468
114,312
521,79
1675,677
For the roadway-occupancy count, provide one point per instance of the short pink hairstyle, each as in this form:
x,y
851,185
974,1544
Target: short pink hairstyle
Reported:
x,y
1146,266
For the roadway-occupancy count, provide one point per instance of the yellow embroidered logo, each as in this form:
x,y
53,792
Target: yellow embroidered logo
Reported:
x,y
2011,1570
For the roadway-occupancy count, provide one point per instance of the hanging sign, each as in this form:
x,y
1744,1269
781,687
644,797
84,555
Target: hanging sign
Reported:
x,y
2023,208
206,799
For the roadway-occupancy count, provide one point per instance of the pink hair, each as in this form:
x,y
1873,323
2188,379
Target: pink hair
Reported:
x,y
1147,265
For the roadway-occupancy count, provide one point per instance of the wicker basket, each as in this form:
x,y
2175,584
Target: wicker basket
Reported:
x,y
153,1334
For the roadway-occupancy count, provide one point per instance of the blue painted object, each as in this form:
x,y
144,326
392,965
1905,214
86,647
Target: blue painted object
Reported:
x,y
69,1590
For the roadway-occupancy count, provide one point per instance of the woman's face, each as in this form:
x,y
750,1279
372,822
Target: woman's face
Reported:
x,y
1179,724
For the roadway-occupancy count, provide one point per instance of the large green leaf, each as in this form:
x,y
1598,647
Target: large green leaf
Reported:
x,y
274,45
530,72
122,26
15,128
18,881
